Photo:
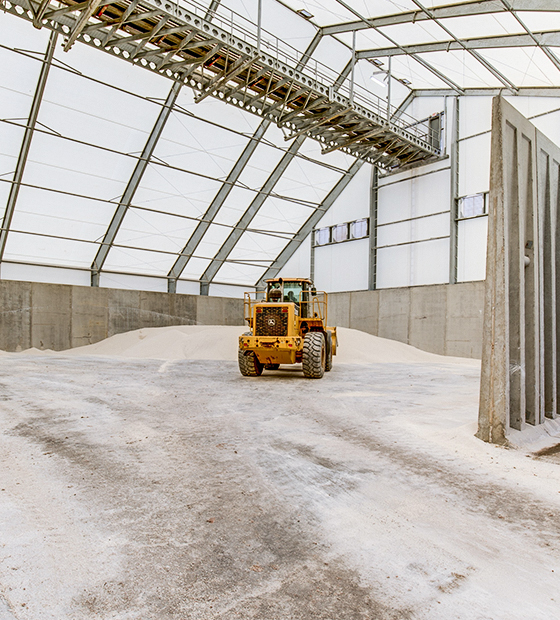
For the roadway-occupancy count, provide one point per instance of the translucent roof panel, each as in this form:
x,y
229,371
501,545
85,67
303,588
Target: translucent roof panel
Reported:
x,y
191,144
235,205
77,168
261,164
476,26
413,34
139,261
212,241
154,231
324,12
280,216
19,80
175,191
54,213
95,113
48,251
461,67
524,66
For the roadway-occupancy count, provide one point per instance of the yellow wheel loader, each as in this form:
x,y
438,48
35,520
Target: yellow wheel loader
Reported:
x,y
287,326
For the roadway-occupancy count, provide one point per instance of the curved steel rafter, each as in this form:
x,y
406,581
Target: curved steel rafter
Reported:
x,y
26,143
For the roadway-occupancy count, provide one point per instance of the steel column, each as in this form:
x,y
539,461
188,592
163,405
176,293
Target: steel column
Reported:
x,y
133,184
26,143
373,206
453,191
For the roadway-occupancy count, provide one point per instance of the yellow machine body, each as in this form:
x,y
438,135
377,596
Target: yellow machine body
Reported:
x,y
278,326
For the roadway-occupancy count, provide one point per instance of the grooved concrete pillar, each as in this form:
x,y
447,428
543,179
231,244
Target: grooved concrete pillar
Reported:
x,y
519,352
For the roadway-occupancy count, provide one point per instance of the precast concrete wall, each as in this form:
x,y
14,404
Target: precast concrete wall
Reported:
x,y
58,316
519,384
444,318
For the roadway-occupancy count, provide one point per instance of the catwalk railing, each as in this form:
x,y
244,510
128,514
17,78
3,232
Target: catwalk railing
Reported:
x,y
229,60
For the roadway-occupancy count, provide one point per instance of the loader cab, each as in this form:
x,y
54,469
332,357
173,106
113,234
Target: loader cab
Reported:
x,y
291,290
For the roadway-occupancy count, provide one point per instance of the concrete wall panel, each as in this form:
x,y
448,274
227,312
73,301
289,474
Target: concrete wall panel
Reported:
x,y
364,311
51,316
58,317
428,307
464,319
394,313
15,313
339,309
90,315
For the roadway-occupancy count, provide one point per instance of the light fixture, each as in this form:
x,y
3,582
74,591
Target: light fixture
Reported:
x,y
305,13
406,82
378,81
377,62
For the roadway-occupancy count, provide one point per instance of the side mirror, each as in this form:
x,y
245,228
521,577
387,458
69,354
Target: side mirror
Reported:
x,y
314,291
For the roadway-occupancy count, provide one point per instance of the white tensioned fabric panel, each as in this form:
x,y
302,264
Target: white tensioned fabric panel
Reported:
x,y
306,181
324,12
212,241
264,160
17,86
413,34
233,208
353,203
462,68
471,255
278,215
342,267
543,20
164,188
331,53
474,26
200,147
131,260
524,67
419,76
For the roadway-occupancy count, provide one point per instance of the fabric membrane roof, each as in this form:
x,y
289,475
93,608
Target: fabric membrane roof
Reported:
x,y
113,169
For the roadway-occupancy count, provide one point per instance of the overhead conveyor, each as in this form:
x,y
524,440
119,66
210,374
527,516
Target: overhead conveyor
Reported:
x,y
228,62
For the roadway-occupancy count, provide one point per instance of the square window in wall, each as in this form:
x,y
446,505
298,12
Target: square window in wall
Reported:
x,y
340,232
322,236
359,229
471,206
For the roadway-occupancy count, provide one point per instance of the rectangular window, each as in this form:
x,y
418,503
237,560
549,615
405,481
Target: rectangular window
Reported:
x,y
471,206
322,236
359,229
340,232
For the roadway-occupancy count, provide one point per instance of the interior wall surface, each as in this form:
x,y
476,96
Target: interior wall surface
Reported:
x,y
445,319
59,317
519,384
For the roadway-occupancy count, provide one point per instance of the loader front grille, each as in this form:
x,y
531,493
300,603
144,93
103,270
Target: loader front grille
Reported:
x,y
271,321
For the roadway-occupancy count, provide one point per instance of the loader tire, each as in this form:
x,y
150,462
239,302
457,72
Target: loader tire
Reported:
x,y
328,361
271,366
314,355
249,365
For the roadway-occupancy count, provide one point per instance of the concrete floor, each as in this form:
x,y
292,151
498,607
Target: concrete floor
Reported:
x,y
147,490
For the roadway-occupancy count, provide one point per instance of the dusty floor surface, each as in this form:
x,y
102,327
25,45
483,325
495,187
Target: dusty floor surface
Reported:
x,y
136,489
